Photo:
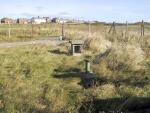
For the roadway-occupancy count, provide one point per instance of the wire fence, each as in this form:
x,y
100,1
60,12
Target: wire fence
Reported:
x,y
53,29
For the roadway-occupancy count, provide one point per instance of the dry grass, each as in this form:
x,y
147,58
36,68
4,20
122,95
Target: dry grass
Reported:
x,y
97,44
28,84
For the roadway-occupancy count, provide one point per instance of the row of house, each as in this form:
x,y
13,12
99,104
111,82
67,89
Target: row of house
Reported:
x,y
10,20
39,20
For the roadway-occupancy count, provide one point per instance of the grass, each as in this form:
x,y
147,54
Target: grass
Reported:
x,y
28,83
25,73
21,32
37,78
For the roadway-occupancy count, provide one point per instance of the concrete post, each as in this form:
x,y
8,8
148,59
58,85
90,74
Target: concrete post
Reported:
x,y
87,66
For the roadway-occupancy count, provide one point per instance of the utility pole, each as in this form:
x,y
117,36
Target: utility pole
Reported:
x,y
142,28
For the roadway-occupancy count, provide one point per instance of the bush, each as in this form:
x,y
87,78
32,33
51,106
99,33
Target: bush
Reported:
x,y
97,44
125,57
119,58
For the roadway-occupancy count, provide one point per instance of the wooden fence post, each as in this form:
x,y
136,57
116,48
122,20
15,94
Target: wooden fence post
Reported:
x,y
89,28
9,30
113,28
126,32
110,29
32,30
142,28
63,35
62,30
39,30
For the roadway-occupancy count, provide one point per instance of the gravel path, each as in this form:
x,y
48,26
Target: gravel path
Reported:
x,y
51,40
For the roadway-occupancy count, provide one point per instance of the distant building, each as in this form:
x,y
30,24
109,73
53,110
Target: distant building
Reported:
x,y
22,21
6,20
38,20
48,19
59,20
62,20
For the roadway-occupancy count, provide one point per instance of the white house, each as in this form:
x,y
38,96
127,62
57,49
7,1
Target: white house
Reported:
x,y
38,20
59,20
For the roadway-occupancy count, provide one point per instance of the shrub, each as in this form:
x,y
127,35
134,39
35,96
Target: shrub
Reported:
x,y
125,57
119,58
97,44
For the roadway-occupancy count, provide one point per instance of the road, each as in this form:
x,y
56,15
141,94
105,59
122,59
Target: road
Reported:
x,y
51,40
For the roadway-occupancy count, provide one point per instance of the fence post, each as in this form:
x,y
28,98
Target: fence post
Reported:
x,y
39,29
62,30
126,32
112,28
9,30
32,32
89,28
142,28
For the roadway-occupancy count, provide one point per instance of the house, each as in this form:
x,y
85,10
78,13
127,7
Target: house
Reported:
x,y
59,20
22,21
6,20
38,20
48,19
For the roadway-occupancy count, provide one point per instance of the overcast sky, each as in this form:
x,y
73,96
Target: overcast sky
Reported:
x,y
102,10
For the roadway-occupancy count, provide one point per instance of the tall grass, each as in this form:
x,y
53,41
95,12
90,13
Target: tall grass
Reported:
x,y
30,84
21,32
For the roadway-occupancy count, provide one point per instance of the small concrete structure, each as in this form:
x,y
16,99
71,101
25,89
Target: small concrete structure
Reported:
x,y
88,78
76,47
87,66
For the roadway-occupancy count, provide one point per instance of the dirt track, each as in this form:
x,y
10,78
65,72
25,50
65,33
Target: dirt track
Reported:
x,y
40,41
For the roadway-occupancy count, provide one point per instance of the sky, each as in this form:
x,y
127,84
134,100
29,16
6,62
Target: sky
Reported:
x,y
100,10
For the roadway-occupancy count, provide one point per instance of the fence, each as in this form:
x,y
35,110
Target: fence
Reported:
x,y
53,29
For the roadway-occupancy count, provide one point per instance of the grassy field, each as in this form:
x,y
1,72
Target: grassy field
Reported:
x,y
37,79
22,32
